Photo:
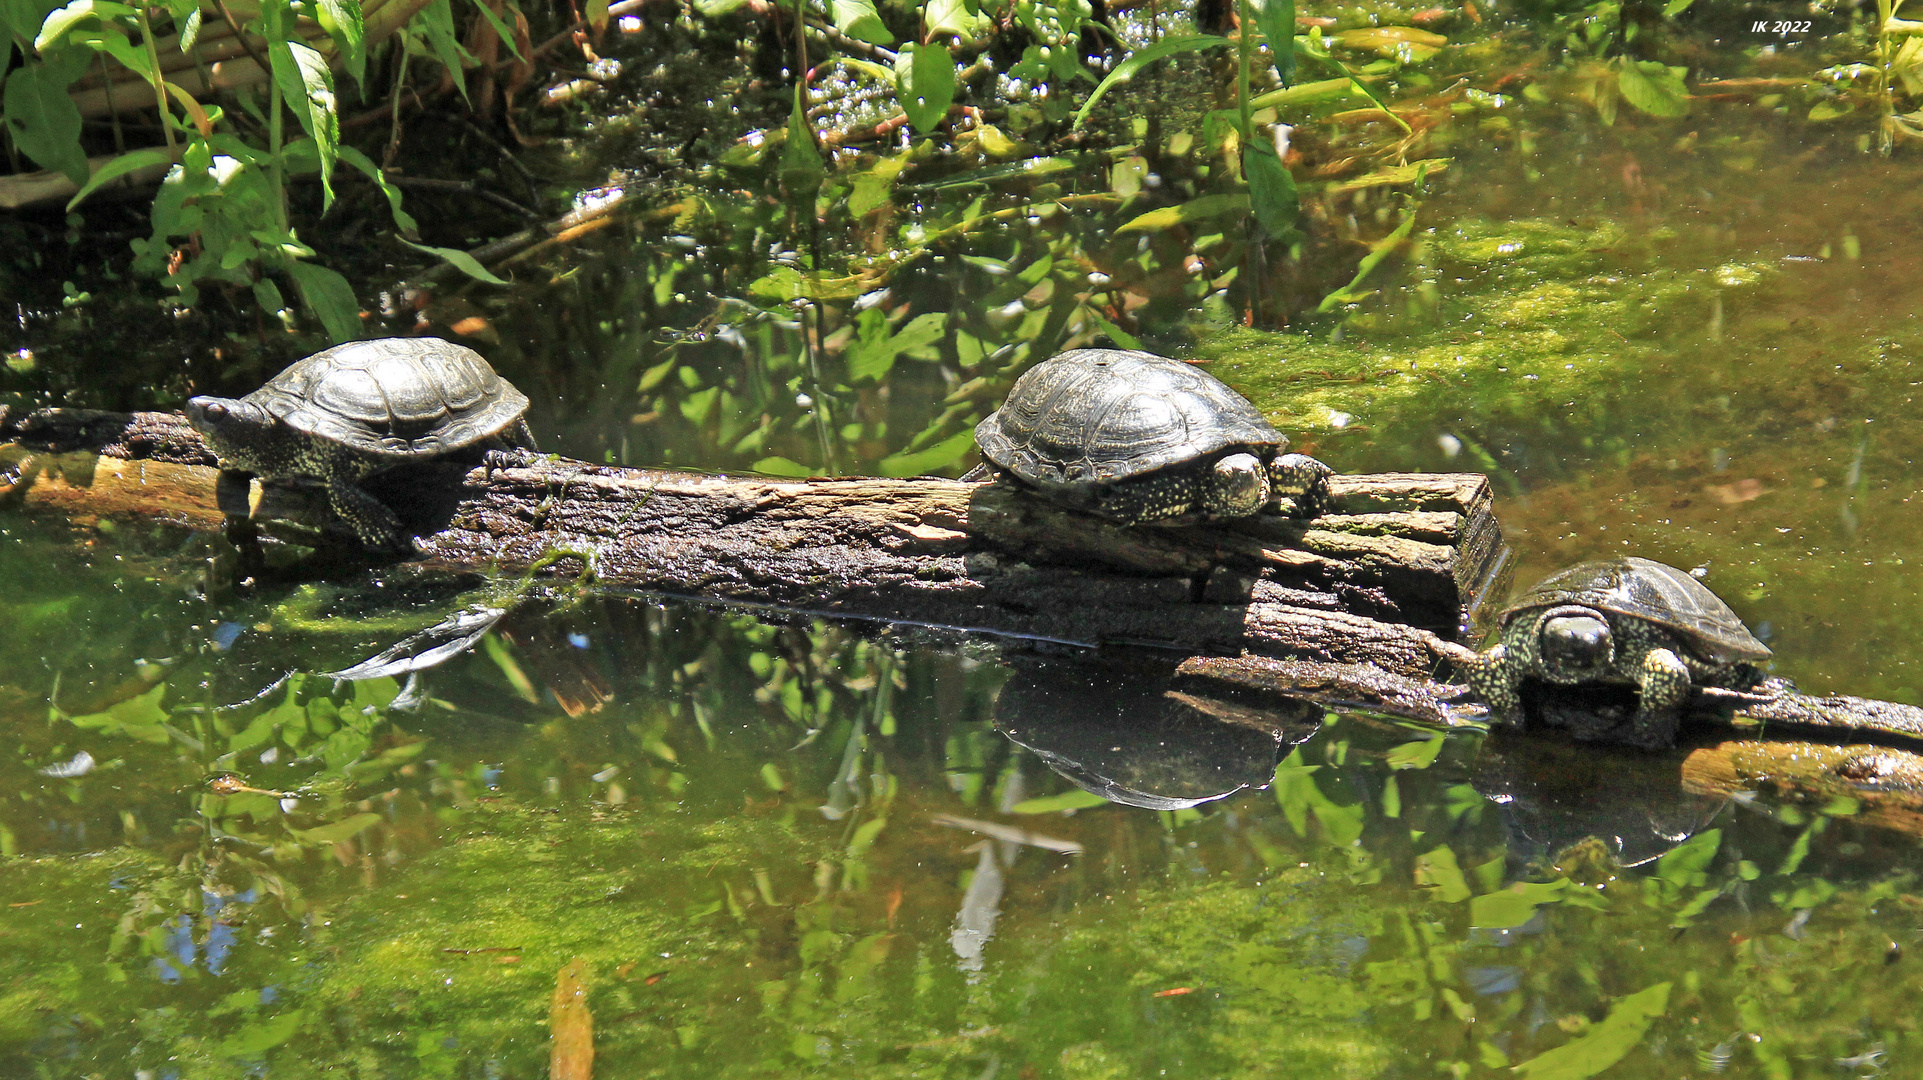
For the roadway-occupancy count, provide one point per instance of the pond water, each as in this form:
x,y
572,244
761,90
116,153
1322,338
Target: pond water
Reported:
x,y
705,845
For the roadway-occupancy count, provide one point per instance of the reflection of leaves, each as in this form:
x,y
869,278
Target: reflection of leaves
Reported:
x,y
1438,870
918,462
1206,208
262,1035
140,718
339,830
1514,905
1687,863
1606,1043
875,348
1653,88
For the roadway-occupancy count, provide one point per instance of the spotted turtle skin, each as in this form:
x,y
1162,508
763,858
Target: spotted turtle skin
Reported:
x,y
348,412
1135,438
1626,621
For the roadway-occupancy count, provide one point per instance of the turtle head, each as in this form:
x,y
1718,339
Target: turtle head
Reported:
x,y
1574,644
1237,486
240,432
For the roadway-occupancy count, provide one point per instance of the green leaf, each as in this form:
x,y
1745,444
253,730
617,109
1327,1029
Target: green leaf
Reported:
x,y
1416,755
714,9
59,22
338,831
131,161
1305,94
1122,338
802,166
190,31
1206,208
402,220
460,260
1413,172
1276,20
500,27
1676,7
257,1037
925,84
1272,192
1606,1043
1687,862
872,185
1142,58
874,356
781,466
597,12
343,22
1514,905
961,18
436,21
1439,871
1653,88
859,20
1378,251
43,120
918,462
267,295
1055,804
142,718
328,295
308,87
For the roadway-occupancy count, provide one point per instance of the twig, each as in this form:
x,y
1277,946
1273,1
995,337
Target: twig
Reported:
x,y
615,11
854,45
495,251
514,163
240,35
461,187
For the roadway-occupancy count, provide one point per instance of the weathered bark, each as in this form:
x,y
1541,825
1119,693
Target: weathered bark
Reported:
x,y
1886,785
1383,578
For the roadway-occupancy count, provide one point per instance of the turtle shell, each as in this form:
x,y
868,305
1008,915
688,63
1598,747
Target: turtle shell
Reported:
x,y
394,397
1091,417
1644,589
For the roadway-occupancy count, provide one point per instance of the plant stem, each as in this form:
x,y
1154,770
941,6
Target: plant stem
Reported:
x,y
160,82
1245,14
276,168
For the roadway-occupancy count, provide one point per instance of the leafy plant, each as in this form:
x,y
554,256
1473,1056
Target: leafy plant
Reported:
x,y
222,211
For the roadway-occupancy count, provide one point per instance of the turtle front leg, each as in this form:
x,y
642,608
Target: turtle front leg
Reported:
x,y
1302,479
370,518
1662,683
1495,681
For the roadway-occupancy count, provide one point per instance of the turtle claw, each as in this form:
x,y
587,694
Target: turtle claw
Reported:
x,y
1303,480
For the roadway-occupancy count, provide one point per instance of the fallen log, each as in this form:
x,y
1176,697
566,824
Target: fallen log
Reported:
x,y
1387,577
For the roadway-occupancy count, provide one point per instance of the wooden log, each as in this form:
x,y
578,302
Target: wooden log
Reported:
x,y
1384,578
1885,785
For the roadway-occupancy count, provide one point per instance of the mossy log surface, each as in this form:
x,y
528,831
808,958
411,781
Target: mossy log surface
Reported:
x,y
1386,577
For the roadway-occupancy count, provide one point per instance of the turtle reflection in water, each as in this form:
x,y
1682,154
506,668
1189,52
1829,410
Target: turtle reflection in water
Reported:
x,y
1624,622
356,409
1136,437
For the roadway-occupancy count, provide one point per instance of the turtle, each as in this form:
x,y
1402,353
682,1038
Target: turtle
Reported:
x,y
1627,622
347,412
1135,437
